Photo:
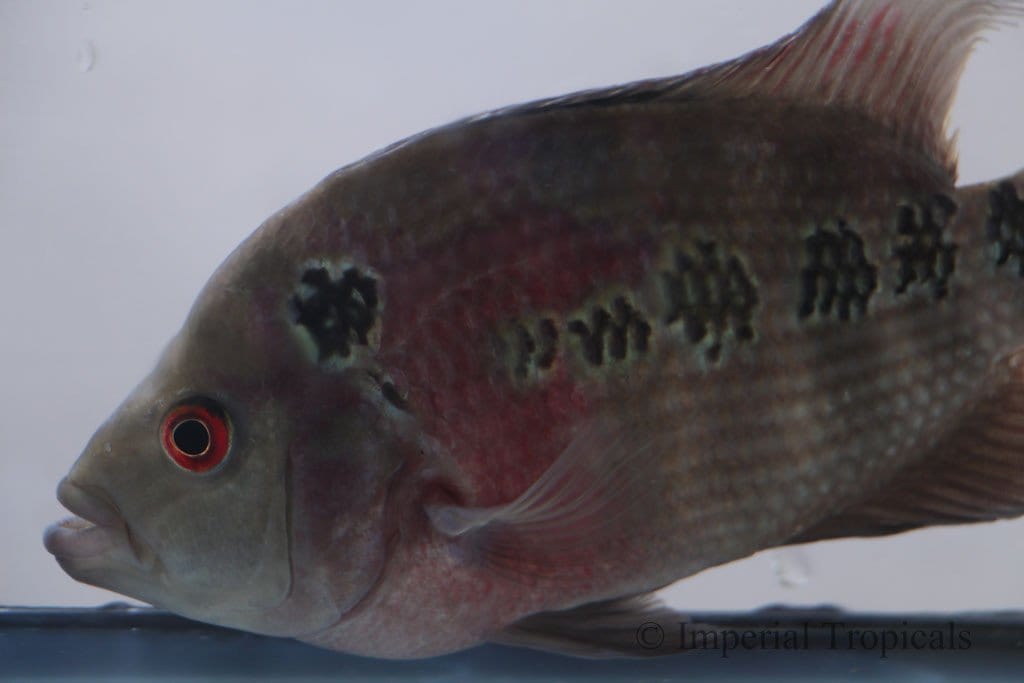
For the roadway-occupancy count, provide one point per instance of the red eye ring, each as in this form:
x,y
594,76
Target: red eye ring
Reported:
x,y
196,437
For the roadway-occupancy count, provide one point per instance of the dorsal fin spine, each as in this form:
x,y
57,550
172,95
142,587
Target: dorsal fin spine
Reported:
x,y
895,60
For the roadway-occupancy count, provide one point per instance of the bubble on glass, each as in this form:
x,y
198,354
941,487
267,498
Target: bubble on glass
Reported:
x,y
791,566
85,56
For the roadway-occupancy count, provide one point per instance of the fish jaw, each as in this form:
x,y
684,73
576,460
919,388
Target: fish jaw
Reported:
x,y
95,536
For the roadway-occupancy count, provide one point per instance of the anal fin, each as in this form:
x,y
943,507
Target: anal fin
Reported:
x,y
637,626
975,474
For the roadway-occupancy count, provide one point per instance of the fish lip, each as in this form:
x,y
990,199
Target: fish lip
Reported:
x,y
96,528
74,538
89,503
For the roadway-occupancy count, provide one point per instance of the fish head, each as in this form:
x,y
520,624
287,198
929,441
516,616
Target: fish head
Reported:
x,y
240,483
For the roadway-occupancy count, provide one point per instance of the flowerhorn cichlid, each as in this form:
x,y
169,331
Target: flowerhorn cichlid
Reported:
x,y
502,380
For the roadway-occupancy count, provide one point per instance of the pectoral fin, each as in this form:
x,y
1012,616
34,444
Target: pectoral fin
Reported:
x,y
585,503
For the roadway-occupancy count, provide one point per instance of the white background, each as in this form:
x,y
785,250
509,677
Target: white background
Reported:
x,y
141,141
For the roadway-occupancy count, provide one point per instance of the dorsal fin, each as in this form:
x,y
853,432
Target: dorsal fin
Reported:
x,y
898,61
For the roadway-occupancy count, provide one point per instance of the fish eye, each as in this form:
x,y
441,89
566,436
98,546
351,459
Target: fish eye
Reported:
x,y
196,436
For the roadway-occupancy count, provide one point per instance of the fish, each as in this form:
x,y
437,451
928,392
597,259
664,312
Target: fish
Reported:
x,y
505,379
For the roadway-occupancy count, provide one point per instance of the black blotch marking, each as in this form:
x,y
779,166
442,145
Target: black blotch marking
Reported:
x,y
615,332
534,350
838,276
1005,225
711,297
338,314
390,393
924,256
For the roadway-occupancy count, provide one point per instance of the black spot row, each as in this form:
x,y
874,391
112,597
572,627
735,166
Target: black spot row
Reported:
x,y
838,279
605,334
707,293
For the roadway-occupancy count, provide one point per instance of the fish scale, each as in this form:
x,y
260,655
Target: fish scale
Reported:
x,y
505,379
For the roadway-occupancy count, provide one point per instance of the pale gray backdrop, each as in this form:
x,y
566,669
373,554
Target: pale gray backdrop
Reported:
x,y
141,141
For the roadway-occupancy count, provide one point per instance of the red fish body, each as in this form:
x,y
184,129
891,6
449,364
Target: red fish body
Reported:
x,y
506,375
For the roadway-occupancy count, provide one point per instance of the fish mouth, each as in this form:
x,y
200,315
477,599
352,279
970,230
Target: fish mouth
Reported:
x,y
94,529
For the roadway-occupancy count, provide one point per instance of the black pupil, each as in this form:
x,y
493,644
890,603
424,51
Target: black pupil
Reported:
x,y
191,437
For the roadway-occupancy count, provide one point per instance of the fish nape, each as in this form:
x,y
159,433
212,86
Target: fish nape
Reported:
x,y
506,379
